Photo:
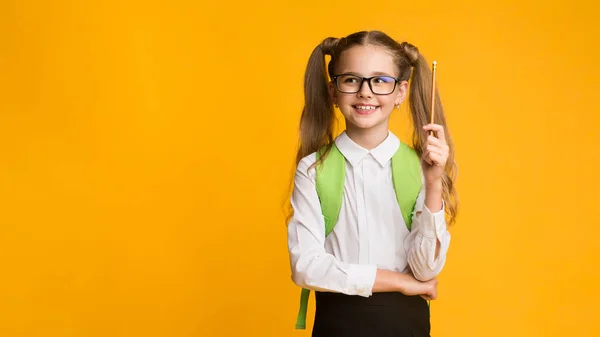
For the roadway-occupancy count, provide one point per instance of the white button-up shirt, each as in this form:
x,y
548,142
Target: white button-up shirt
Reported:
x,y
370,232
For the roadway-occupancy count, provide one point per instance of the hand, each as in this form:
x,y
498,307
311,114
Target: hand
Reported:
x,y
432,294
435,154
412,287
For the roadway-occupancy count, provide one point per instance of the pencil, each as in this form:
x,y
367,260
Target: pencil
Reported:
x,y
433,93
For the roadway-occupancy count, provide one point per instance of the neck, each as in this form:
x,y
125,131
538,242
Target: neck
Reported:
x,y
368,138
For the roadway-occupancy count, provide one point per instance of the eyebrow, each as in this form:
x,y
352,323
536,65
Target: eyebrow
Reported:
x,y
376,73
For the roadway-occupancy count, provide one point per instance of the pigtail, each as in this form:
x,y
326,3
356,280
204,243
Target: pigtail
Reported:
x,y
420,107
318,117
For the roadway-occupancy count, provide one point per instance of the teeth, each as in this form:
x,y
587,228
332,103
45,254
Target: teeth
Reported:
x,y
365,107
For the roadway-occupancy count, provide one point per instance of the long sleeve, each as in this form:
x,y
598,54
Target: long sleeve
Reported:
x,y
420,244
312,267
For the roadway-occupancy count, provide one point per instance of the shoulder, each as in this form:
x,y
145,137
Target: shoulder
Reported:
x,y
406,153
306,166
407,148
399,147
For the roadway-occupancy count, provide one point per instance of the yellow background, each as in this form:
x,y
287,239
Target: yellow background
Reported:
x,y
146,149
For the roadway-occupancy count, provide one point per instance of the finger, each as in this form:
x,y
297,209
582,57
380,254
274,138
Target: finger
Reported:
x,y
433,127
432,156
429,150
441,149
437,128
427,157
431,140
437,159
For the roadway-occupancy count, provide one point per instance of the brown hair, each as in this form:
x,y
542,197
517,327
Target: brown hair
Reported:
x,y
318,117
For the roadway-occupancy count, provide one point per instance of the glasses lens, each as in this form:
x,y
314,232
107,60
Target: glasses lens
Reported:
x,y
348,83
383,85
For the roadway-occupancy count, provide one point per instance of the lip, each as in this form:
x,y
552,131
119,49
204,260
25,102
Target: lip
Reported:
x,y
365,112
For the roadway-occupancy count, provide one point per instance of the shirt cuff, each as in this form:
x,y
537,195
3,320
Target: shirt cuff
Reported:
x,y
361,279
433,225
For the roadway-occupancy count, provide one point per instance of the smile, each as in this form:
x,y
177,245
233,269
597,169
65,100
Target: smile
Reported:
x,y
365,109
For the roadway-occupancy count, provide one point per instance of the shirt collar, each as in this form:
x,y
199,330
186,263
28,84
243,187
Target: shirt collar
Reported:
x,y
354,153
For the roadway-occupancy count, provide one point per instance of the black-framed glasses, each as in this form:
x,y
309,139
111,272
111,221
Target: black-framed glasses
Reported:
x,y
351,84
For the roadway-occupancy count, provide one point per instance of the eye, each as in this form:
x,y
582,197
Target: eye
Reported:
x,y
383,79
350,79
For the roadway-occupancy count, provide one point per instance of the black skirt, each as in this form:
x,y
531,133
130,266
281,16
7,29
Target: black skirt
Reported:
x,y
381,315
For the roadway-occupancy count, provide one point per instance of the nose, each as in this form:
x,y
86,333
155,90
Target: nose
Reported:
x,y
365,90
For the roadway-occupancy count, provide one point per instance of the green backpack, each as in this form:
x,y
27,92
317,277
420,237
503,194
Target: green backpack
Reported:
x,y
330,176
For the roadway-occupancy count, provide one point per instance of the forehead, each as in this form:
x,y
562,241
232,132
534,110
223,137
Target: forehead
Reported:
x,y
366,61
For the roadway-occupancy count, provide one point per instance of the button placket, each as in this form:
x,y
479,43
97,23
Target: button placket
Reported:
x,y
359,185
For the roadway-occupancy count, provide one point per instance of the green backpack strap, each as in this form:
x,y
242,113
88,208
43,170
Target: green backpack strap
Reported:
x,y
406,174
301,320
330,177
330,186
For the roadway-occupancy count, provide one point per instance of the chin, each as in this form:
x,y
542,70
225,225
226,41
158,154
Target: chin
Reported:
x,y
365,123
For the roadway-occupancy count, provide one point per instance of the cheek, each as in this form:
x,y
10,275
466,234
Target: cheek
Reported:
x,y
342,99
387,101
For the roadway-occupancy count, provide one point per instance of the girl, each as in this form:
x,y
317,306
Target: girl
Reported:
x,y
372,276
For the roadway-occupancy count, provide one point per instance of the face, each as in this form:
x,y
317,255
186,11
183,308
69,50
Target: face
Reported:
x,y
364,109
